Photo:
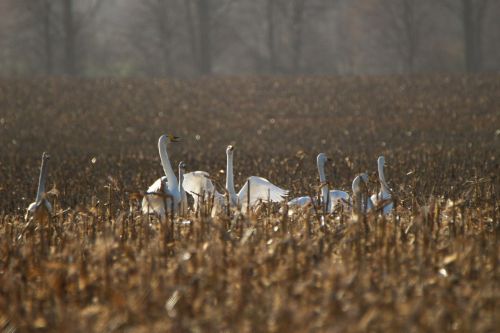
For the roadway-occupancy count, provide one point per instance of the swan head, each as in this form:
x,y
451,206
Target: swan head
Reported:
x,y
381,162
167,138
322,159
230,150
364,177
182,166
358,182
45,156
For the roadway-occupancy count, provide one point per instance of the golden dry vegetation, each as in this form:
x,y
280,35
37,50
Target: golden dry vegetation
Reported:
x,y
98,265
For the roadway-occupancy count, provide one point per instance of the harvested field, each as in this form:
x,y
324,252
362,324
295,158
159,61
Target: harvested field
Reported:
x,y
98,265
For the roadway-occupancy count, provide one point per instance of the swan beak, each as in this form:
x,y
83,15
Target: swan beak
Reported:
x,y
173,138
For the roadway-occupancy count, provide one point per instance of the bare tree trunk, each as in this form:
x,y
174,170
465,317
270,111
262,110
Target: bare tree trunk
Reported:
x,y
297,25
70,65
270,36
204,28
469,38
165,37
472,20
191,32
409,21
47,38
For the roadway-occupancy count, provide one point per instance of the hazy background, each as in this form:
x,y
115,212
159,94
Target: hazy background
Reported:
x,y
189,38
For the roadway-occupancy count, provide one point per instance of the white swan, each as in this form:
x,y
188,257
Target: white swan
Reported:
x,y
304,201
198,184
384,197
256,189
331,199
159,196
361,203
41,204
201,188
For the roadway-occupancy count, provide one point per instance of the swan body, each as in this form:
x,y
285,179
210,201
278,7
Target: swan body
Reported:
x,y
165,190
338,198
384,195
300,204
41,204
202,189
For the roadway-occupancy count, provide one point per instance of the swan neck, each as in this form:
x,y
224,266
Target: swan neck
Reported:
x,y
355,185
321,171
359,202
167,167
230,176
322,179
181,180
381,176
41,180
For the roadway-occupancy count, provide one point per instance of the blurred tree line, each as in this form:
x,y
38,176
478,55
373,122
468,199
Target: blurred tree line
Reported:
x,y
187,38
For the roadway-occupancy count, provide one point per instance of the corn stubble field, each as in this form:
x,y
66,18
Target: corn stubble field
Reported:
x,y
98,265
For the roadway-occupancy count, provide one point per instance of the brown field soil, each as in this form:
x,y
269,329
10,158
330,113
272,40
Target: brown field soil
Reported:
x,y
98,265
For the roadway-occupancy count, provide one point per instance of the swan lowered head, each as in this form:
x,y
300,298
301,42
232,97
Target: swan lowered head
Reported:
x,y
322,159
358,182
45,156
380,165
182,166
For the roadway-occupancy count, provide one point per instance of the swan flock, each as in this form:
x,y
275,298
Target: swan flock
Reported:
x,y
169,193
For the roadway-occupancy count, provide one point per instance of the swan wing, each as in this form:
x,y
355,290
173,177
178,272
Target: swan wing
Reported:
x,y
300,201
198,183
260,189
369,204
157,185
380,196
382,199
337,198
154,203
